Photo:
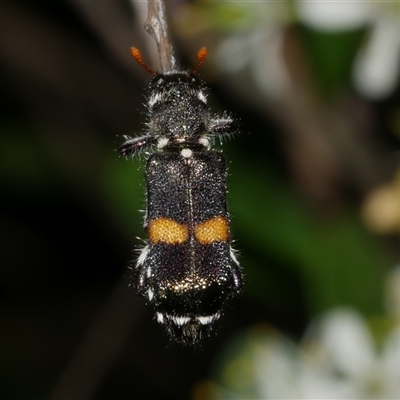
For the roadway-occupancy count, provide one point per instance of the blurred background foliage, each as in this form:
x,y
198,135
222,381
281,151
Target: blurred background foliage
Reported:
x,y
313,192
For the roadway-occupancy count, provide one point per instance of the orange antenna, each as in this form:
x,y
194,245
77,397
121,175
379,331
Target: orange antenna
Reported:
x,y
201,56
137,55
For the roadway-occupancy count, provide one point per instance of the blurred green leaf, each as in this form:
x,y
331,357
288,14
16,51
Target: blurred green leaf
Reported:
x,y
23,161
331,55
124,188
337,260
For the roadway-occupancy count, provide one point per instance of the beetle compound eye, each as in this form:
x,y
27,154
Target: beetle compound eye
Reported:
x,y
188,269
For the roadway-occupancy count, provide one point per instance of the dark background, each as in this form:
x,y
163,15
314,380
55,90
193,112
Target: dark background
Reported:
x,y
300,172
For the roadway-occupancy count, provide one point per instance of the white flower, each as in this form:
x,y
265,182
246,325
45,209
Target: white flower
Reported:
x,y
258,49
336,360
377,65
376,68
335,16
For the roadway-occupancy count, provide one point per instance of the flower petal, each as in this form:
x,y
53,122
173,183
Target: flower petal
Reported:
x,y
346,342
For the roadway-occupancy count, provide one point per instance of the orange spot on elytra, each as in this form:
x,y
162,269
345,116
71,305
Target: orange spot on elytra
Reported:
x,y
168,231
213,230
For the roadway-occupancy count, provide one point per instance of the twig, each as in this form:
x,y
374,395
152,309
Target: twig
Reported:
x,y
156,26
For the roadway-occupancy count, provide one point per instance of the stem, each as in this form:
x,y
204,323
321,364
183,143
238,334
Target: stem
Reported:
x,y
157,27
